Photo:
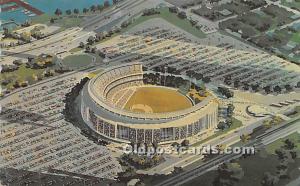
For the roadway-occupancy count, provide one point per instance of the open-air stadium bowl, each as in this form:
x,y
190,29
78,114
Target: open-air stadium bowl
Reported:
x,y
103,102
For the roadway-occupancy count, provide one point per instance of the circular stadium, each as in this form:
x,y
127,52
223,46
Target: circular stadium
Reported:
x,y
128,104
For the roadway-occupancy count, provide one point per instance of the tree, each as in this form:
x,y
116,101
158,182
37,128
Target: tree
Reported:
x,y
100,7
52,20
289,145
58,12
226,92
193,22
277,89
281,154
185,143
26,37
229,122
93,8
93,50
76,11
267,124
267,89
173,9
81,45
288,87
87,49
222,125
85,10
106,4
68,12
245,137
115,1
182,15
91,40
99,36
229,174
7,33
269,179
177,170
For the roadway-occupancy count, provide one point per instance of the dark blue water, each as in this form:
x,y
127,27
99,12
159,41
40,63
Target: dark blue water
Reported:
x,y
47,6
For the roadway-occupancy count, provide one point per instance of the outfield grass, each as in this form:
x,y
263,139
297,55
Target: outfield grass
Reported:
x,y
22,74
295,137
157,100
77,61
235,124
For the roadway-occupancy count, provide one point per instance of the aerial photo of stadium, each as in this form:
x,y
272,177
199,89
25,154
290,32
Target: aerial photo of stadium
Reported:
x,y
120,106
150,92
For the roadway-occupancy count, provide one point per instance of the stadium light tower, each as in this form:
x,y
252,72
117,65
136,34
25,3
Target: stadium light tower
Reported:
x,y
166,69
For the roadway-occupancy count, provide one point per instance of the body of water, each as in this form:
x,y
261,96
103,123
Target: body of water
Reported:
x,y
19,15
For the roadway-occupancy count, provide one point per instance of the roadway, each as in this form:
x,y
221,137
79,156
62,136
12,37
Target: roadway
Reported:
x,y
71,37
265,139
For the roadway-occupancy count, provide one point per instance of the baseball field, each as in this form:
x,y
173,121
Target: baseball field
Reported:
x,y
157,100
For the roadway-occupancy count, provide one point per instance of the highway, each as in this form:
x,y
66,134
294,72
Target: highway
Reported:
x,y
71,37
265,139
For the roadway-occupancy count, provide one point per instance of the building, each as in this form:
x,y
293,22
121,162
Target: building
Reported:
x,y
102,108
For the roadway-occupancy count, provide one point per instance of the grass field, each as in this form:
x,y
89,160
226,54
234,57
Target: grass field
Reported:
x,y
158,99
77,61
22,74
184,24
295,137
235,124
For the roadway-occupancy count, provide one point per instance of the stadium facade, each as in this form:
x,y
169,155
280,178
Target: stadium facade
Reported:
x,y
103,99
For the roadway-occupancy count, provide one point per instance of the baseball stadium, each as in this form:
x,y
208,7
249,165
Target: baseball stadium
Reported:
x,y
128,104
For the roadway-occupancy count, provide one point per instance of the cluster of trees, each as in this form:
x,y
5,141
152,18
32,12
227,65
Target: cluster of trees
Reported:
x,y
36,33
24,37
266,89
225,92
93,8
9,68
184,143
229,174
229,118
151,11
143,161
286,155
276,120
42,61
187,4
198,76
180,14
71,113
149,158
125,24
167,69
169,80
97,38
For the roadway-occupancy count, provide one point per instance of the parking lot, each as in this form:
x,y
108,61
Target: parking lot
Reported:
x,y
34,135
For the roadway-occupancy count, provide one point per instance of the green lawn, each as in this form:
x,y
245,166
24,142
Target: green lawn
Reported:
x,y
77,49
295,137
296,37
291,4
171,18
42,19
77,61
22,74
63,21
235,124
